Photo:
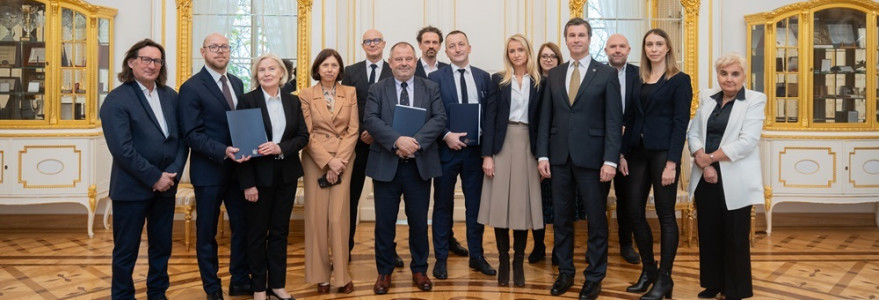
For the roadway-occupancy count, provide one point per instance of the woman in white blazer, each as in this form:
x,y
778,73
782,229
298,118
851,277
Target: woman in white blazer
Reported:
x,y
726,178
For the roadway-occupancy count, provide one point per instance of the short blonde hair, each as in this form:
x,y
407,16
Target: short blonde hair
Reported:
x,y
254,80
729,59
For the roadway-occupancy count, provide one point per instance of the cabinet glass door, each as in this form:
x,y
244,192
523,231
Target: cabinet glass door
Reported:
x,y
839,66
756,77
22,60
787,62
73,65
103,85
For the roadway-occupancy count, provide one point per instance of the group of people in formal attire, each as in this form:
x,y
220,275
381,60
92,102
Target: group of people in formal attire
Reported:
x,y
552,137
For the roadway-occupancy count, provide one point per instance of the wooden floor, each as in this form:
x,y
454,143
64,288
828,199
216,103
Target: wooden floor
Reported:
x,y
46,258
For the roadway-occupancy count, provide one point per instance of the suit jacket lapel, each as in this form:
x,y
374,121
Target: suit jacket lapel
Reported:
x,y
386,71
317,95
590,74
391,93
146,105
287,103
418,94
165,100
736,117
337,105
211,86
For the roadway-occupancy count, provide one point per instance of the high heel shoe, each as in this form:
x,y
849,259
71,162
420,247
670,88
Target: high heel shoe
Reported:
x,y
709,293
270,294
662,287
503,270
647,277
518,270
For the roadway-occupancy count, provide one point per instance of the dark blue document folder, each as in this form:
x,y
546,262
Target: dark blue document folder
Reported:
x,y
465,118
408,120
247,130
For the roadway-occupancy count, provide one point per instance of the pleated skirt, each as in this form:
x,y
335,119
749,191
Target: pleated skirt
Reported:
x,y
512,198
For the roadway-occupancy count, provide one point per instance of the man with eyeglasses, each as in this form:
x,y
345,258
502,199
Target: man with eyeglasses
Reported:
x,y
140,126
403,165
204,100
361,76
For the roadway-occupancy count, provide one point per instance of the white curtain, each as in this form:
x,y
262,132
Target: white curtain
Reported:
x,y
209,16
277,24
626,17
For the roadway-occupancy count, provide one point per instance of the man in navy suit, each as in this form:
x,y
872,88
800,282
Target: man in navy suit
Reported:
x,y
578,145
460,84
402,165
140,125
617,49
429,41
204,100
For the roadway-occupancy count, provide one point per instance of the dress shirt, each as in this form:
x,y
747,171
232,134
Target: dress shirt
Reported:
x,y
622,76
472,95
216,77
519,97
584,66
276,115
153,99
427,68
378,69
409,89
718,119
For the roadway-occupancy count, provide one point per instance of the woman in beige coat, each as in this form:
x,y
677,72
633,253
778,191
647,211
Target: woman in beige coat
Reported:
x,y
330,111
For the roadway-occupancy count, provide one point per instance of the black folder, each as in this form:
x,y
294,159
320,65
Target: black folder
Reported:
x,y
247,130
465,118
408,120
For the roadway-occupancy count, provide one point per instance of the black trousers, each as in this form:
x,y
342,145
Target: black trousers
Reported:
x,y
645,171
724,246
268,224
624,222
128,222
416,193
567,179
207,205
358,177
467,163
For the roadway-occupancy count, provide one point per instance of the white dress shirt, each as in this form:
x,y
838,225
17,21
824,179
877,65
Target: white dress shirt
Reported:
x,y
378,69
276,115
472,95
519,97
622,76
216,77
427,68
584,67
153,99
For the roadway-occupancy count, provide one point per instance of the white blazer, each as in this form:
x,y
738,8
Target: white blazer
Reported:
x,y
742,175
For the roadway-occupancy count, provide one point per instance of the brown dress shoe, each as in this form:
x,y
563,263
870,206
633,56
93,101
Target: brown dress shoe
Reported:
x,y
347,289
382,284
323,288
421,281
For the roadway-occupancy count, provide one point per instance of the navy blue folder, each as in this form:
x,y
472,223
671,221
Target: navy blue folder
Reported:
x,y
465,118
247,130
408,120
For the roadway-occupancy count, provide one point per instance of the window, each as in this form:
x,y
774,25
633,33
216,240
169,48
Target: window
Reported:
x,y
632,18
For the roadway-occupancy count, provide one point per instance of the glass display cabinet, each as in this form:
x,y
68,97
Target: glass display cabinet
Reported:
x,y
55,70
816,61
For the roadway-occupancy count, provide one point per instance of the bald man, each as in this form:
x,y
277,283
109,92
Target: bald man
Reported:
x,y
617,49
203,102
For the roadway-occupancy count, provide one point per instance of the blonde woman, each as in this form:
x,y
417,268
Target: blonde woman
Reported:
x,y
330,110
269,181
511,186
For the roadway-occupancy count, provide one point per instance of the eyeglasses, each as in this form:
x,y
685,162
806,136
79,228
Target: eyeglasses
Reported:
x,y
145,60
548,56
374,41
217,48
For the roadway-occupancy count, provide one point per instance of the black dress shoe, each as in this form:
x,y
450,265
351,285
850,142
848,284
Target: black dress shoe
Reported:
x,y
218,295
439,270
398,261
479,264
709,294
161,297
240,290
456,247
590,290
629,254
562,284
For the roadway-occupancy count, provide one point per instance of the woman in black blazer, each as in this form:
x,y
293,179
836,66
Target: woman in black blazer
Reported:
x,y
654,137
511,187
269,181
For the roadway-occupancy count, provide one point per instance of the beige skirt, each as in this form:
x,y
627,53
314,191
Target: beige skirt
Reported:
x,y
512,198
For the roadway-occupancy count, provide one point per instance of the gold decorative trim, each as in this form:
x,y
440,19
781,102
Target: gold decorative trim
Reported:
x,y
184,41
58,135
767,198
303,53
691,43
850,167
818,137
93,201
576,8
832,171
21,166
2,165
711,44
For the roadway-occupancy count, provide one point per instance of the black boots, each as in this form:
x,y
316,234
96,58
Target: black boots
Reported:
x,y
502,236
648,277
663,287
520,238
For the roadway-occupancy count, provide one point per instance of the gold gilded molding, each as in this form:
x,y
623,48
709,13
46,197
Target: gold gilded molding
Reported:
x,y
184,41
21,166
691,43
851,167
93,202
303,52
576,8
832,171
767,198
820,137
803,7
2,165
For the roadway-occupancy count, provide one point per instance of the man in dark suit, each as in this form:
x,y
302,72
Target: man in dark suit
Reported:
x,y
403,165
429,40
204,100
140,126
460,84
361,76
617,49
579,143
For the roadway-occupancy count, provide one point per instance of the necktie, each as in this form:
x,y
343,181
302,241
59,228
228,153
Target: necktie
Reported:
x,y
226,93
464,99
404,95
575,83
372,73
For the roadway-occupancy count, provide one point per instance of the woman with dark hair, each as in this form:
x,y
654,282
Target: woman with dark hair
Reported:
x,y
269,181
330,111
652,146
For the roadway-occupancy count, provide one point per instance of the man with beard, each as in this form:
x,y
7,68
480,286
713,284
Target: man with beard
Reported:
x,y
204,100
429,40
